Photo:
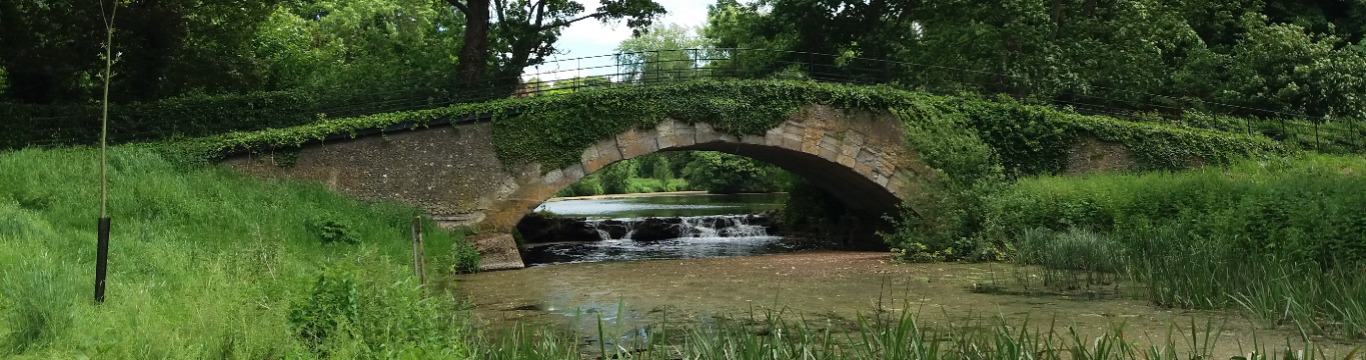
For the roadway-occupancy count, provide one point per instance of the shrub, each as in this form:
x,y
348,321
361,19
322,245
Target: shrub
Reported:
x,y
587,186
329,229
333,300
465,257
946,217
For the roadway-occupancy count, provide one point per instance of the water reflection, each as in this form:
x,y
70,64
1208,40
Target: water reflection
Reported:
x,y
667,205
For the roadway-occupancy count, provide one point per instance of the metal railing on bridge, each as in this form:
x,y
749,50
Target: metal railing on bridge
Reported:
x,y
157,120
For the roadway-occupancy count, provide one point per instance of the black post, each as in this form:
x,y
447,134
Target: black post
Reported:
x,y
101,259
1316,135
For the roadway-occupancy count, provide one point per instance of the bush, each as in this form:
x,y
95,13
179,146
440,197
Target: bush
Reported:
x,y
465,257
587,186
945,219
329,229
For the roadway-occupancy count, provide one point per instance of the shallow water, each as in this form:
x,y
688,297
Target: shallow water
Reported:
x,y
832,289
667,205
694,280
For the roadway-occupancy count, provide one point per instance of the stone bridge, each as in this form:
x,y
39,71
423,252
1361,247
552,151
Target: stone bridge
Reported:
x,y
454,174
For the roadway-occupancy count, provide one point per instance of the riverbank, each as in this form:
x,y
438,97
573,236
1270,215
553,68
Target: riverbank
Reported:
x,y
832,289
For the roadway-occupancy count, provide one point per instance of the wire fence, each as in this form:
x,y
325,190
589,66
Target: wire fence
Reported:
x,y
39,126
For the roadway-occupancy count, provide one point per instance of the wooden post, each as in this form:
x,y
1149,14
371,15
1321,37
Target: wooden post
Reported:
x,y
419,264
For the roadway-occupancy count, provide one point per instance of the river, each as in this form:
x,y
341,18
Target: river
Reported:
x,y
696,280
711,226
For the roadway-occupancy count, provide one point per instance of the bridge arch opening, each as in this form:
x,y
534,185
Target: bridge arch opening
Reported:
x,y
858,160
735,217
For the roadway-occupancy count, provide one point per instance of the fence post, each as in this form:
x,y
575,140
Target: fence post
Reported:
x,y
695,74
419,264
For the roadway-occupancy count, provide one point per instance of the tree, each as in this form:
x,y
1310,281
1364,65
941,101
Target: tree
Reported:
x,y
1287,69
171,47
1144,55
359,43
526,30
648,57
616,178
721,173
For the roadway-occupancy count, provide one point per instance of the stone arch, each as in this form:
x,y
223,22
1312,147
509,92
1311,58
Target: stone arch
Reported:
x,y
858,157
454,174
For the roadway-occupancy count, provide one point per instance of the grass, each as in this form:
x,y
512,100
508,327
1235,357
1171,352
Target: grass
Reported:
x,y
204,263
775,335
1282,239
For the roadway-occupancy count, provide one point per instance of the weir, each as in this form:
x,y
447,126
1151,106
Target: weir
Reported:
x,y
696,227
662,238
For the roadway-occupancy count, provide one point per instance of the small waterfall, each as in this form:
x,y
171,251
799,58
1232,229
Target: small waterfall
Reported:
x,y
630,229
699,227
602,232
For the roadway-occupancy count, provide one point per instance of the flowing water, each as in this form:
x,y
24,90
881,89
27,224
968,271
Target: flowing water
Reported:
x,y
703,274
710,226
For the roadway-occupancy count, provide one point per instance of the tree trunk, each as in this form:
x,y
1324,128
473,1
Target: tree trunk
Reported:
x,y
474,53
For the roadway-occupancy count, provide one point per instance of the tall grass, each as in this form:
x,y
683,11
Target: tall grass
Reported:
x,y
204,263
1284,239
774,335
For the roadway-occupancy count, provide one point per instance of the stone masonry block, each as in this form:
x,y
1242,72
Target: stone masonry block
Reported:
x,y
811,140
866,157
589,154
793,134
665,133
845,160
774,137
573,173
637,142
828,154
865,170
754,139
704,133
886,164
552,177
605,153
850,149
793,142
683,135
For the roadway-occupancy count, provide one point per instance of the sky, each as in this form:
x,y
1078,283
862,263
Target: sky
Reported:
x,y
591,37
